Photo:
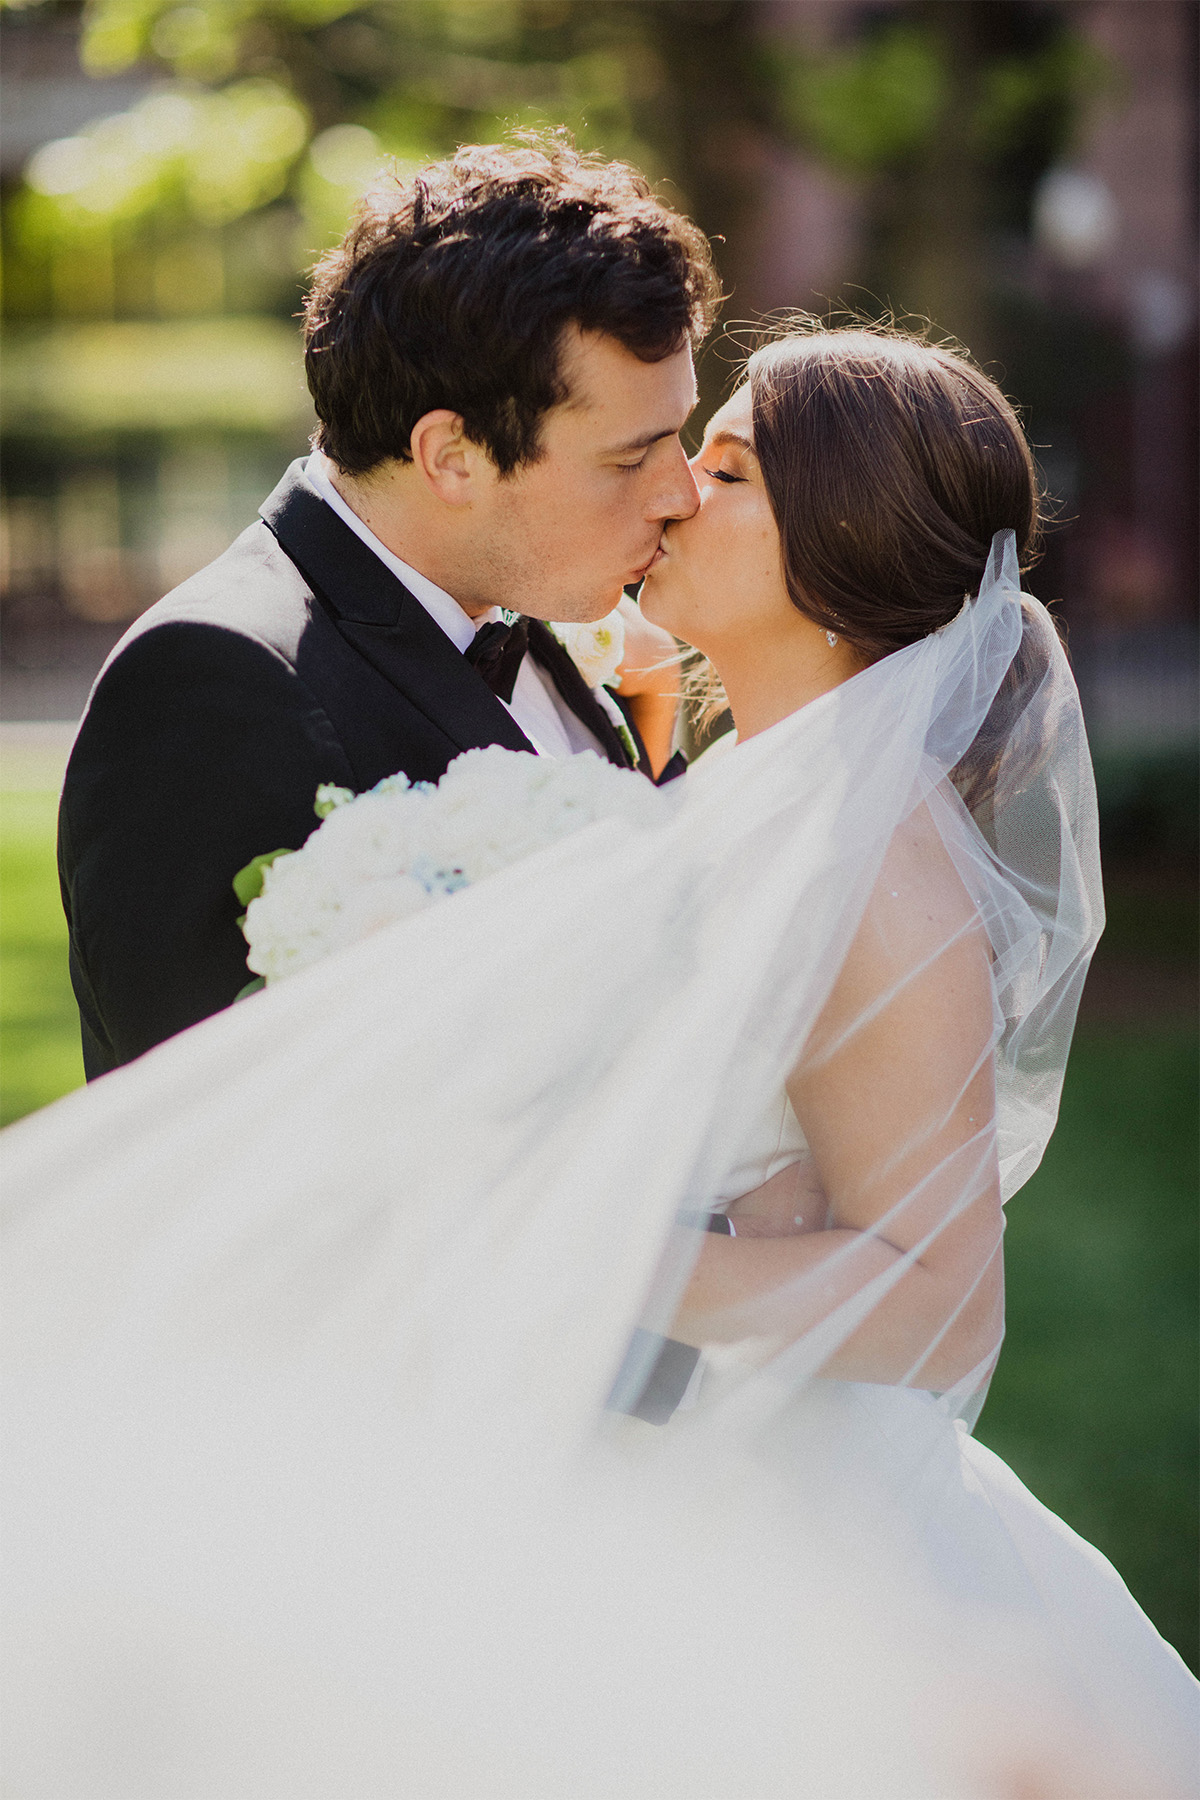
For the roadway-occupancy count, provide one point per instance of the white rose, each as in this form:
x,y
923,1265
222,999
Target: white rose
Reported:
x,y
386,855
294,921
319,909
595,649
369,908
371,837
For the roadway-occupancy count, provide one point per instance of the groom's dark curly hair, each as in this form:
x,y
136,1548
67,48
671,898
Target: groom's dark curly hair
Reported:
x,y
454,286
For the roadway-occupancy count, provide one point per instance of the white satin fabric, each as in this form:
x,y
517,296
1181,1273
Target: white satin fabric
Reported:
x,y
312,1312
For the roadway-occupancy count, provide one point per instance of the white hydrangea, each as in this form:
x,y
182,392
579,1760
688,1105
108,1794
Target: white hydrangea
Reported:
x,y
596,649
388,854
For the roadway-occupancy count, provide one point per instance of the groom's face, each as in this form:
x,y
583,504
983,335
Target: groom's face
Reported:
x,y
562,536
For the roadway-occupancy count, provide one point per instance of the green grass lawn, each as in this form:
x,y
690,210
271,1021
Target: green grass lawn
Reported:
x,y
1094,1400
40,1056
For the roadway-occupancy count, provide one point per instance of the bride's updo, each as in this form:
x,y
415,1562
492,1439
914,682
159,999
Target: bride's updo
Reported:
x,y
889,465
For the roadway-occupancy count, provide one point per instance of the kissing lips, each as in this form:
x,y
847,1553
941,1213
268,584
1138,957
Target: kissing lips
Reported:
x,y
647,566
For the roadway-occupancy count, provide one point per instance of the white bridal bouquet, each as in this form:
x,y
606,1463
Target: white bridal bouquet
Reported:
x,y
389,853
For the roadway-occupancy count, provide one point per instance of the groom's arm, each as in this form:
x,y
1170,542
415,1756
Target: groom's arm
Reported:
x,y
200,749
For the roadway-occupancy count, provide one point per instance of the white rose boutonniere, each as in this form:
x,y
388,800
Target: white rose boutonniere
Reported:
x,y
596,649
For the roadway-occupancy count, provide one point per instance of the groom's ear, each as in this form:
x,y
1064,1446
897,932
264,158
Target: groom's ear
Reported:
x,y
446,459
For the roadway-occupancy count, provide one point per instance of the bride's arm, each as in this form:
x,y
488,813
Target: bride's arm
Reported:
x,y
650,682
895,1092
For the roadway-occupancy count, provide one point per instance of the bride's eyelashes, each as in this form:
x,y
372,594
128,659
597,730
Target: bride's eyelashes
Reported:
x,y
722,475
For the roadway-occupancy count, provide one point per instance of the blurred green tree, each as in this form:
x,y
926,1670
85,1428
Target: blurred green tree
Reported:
x,y
262,121
947,112
270,116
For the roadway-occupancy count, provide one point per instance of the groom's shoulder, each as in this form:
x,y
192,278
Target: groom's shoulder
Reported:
x,y
249,601
252,589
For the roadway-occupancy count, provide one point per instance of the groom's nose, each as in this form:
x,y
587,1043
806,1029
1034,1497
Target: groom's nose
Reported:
x,y
677,496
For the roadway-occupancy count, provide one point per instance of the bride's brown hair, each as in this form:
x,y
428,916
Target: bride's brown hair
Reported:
x,y
890,464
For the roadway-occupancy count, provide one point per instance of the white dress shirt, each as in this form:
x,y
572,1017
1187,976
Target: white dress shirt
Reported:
x,y
549,724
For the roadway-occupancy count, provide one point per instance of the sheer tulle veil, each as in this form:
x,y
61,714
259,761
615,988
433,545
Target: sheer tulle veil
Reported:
x,y
443,1170
514,1095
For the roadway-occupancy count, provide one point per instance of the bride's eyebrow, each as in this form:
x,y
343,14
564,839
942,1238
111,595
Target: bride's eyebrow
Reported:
x,y
720,438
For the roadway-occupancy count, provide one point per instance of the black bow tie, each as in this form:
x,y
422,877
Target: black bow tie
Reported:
x,y
497,652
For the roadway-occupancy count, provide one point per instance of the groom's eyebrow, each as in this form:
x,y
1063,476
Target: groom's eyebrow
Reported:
x,y
642,443
651,437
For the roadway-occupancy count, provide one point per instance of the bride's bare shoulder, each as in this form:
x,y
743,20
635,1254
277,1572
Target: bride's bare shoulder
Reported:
x,y
919,897
918,966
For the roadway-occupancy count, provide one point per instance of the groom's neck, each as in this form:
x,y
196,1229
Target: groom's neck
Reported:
x,y
392,505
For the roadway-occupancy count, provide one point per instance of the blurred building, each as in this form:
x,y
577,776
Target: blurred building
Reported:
x,y
1115,246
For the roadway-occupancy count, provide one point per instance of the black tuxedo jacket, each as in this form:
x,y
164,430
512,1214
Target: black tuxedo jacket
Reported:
x,y
295,658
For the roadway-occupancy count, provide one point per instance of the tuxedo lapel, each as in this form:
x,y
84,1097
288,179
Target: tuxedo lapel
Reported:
x,y
376,613
560,666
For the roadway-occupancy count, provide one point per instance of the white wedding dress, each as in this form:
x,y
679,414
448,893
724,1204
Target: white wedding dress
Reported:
x,y
984,1544
312,1314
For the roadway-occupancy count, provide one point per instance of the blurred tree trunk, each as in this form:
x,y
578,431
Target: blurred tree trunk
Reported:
x,y
930,221
711,136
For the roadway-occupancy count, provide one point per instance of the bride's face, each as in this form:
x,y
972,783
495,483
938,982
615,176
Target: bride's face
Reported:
x,y
719,580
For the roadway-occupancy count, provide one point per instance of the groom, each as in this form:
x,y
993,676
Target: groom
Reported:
x,y
500,356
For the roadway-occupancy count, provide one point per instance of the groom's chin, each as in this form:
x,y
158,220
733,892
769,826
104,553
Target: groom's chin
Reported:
x,y
585,611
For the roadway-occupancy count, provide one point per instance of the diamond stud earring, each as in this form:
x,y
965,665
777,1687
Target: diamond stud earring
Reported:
x,y
831,638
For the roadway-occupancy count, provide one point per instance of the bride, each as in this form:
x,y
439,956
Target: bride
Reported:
x,y
331,1323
